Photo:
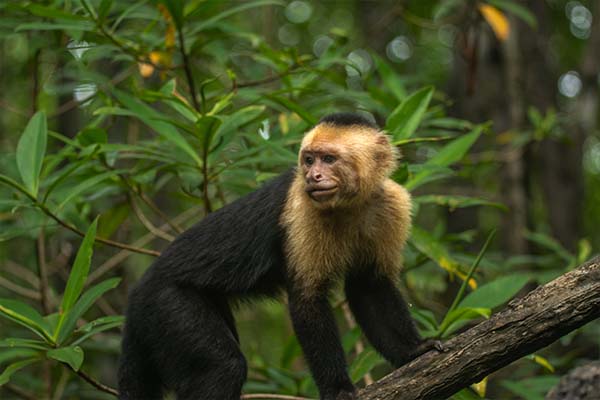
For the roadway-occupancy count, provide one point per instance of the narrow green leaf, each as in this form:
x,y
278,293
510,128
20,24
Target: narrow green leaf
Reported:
x,y
97,326
62,26
12,368
390,78
207,127
88,298
364,363
10,355
455,150
86,185
30,151
293,106
213,21
496,292
25,315
80,270
461,315
454,202
157,121
72,355
434,249
23,343
405,119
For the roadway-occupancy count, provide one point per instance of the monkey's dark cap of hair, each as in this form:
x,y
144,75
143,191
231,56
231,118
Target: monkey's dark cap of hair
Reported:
x,y
347,119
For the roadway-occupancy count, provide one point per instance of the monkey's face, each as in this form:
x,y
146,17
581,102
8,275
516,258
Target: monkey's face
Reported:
x,y
342,166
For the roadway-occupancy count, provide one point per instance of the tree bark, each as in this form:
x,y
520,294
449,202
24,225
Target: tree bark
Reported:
x,y
524,326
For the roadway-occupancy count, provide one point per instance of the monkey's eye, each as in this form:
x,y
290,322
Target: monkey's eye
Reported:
x,y
308,160
329,159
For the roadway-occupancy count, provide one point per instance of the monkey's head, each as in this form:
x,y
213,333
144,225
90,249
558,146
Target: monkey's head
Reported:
x,y
343,161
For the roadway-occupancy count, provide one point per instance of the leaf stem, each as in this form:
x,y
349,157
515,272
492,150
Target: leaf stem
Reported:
x,y
463,287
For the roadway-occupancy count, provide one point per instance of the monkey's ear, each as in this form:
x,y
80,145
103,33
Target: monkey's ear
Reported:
x,y
383,140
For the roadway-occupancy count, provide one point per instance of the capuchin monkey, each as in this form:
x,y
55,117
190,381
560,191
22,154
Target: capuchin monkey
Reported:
x,y
336,217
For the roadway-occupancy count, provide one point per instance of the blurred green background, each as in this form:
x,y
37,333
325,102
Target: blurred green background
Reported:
x,y
150,114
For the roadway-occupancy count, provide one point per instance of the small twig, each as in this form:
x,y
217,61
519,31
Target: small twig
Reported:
x,y
188,71
20,392
43,272
121,256
176,228
272,396
108,242
13,287
146,222
22,272
100,386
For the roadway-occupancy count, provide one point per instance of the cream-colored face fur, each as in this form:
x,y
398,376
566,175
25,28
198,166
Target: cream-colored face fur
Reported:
x,y
366,223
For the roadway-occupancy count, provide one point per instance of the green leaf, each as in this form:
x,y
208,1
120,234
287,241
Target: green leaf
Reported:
x,y
293,106
157,121
23,343
466,394
86,185
533,388
97,326
350,338
80,270
434,249
207,127
460,316
51,26
454,202
72,355
83,304
12,368
551,244
517,9
213,21
233,122
390,78
495,293
455,150
8,355
363,364
25,315
405,119
30,151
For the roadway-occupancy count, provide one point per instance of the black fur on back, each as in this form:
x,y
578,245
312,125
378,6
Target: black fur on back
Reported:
x,y
347,119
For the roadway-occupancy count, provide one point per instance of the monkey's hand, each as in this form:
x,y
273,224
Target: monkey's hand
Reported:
x,y
427,345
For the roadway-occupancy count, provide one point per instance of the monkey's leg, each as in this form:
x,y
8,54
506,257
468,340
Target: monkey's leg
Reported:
x,y
137,379
201,358
383,316
317,333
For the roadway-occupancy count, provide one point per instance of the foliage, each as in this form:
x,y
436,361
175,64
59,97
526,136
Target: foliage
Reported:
x,y
178,109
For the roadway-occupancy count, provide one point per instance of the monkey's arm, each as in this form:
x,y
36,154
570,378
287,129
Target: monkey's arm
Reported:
x,y
317,333
384,317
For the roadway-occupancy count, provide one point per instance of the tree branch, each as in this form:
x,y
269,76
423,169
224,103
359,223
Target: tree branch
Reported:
x,y
524,326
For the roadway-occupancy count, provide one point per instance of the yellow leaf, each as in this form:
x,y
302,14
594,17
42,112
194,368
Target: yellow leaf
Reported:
x,y
480,387
146,70
496,19
283,123
156,57
543,362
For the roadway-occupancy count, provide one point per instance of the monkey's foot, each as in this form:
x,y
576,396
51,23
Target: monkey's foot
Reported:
x,y
427,345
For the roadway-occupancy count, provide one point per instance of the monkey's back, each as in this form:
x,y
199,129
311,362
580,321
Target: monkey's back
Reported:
x,y
233,250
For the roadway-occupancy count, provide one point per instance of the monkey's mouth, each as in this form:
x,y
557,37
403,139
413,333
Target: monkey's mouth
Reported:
x,y
321,193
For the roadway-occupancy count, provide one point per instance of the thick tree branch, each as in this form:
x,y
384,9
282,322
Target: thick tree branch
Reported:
x,y
524,326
